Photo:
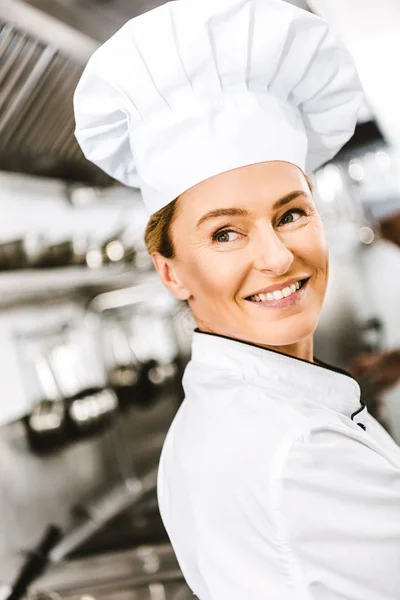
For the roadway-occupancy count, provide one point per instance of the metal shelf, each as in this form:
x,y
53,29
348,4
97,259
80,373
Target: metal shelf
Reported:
x,y
32,285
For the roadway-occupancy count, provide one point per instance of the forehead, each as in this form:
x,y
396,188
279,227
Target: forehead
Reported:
x,y
246,187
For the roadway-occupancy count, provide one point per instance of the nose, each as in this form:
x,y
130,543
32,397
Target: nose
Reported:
x,y
271,254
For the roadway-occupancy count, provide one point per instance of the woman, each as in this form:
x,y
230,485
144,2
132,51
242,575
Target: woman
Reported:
x,y
274,482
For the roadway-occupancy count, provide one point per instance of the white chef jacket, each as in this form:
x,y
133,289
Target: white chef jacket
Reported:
x,y
275,483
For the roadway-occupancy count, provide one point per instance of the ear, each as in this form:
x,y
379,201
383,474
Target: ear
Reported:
x,y
167,271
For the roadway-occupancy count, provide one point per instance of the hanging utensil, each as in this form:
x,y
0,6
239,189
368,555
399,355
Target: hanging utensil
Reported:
x,y
123,368
46,423
90,405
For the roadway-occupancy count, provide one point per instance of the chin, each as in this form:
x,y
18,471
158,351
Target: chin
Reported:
x,y
282,333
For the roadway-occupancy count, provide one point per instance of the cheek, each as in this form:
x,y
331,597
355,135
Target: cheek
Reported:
x,y
316,254
315,246
216,273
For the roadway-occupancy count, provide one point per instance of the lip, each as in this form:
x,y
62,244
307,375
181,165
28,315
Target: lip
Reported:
x,y
279,286
285,302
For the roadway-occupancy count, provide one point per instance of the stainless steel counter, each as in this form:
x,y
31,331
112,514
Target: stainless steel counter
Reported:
x,y
64,486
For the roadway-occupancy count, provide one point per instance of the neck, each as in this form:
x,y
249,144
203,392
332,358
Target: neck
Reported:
x,y
303,349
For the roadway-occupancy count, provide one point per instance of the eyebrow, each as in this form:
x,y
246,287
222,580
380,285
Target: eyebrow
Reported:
x,y
241,212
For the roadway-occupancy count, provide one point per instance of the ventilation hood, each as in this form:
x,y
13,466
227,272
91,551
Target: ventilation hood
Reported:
x,y
41,61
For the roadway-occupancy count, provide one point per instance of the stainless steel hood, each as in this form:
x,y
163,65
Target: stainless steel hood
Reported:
x,y
41,61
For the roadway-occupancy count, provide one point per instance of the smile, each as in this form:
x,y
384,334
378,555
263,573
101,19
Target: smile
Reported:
x,y
276,297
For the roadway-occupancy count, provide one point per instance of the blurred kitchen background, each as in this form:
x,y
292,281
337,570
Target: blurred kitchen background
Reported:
x,y
92,348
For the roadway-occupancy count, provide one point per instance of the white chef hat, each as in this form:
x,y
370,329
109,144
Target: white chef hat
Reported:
x,y
199,87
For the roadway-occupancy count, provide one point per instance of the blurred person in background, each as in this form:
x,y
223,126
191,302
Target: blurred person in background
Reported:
x,y
382,368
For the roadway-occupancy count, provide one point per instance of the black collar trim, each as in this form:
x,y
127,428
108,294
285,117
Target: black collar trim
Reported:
x,y
321,363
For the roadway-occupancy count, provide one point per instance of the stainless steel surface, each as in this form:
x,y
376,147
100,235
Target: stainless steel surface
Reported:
x,y
40,286
36,113
99,489
104,510
82,480
148,572
48,29
24,91
126,297
38,251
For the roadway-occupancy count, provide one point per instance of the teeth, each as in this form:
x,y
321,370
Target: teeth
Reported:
x,y
277,294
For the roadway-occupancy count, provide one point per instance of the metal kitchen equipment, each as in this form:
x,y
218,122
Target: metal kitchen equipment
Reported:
x,y
55,253
37,83
13,254
145,573
46,422
139,343
72,397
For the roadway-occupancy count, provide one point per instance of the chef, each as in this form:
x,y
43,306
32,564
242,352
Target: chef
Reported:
x,y
274,481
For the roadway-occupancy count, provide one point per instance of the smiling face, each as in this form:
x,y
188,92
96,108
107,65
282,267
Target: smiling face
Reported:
x,y
240,233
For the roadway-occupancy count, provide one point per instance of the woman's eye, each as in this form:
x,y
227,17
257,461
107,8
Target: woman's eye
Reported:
x,y
226,235
296,211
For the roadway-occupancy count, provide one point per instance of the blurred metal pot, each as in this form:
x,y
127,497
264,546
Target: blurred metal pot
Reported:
x,y
13,254
91,410
56,254
46,423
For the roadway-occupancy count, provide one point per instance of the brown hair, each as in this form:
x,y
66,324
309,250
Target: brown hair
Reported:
x,y
158,231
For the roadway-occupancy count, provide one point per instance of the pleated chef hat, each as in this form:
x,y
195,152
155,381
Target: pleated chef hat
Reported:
x,y
198,87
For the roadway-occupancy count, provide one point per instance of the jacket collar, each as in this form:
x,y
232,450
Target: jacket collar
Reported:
x,y
322,383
